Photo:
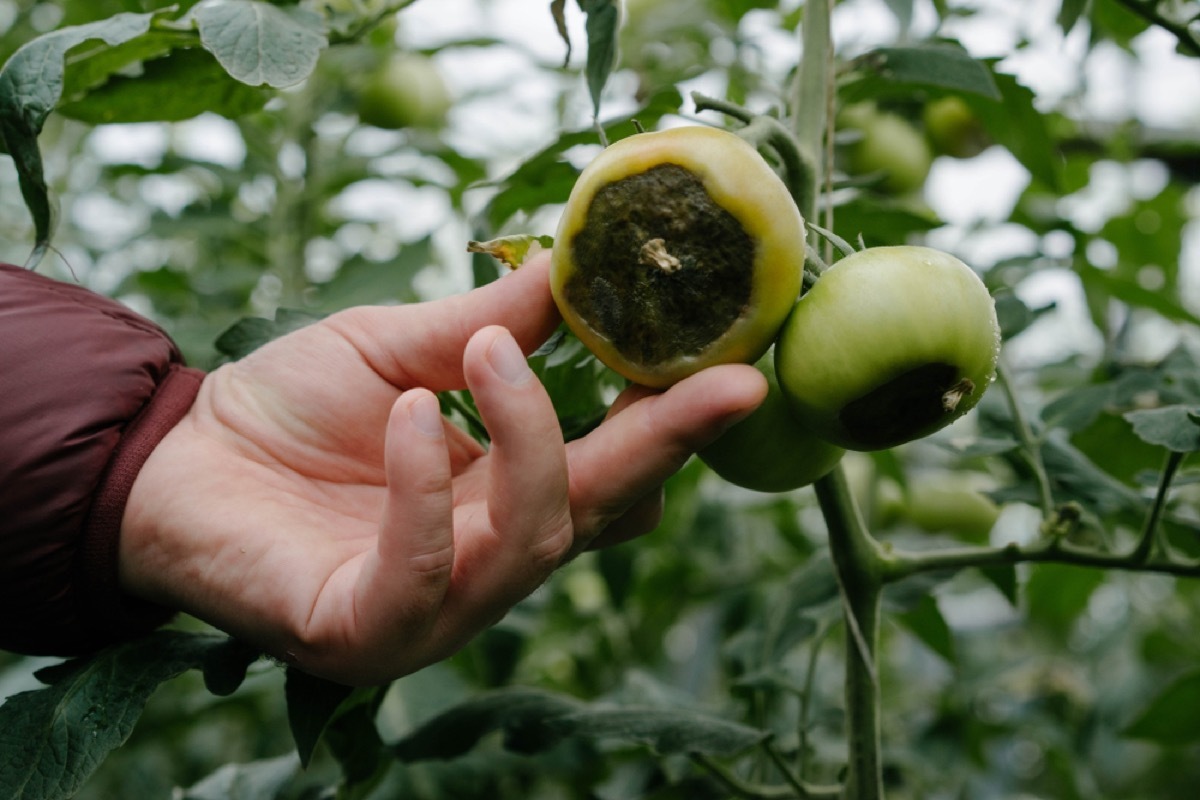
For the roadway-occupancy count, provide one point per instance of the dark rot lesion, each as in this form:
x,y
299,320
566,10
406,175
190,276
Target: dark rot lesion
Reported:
x,y
906,407
661,270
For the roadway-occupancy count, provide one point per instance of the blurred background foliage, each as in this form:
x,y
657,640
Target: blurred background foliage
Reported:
x,y
1074,194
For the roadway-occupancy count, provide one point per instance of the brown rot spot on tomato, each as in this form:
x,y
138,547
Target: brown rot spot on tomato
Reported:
x,y
903,407
661,269
677,250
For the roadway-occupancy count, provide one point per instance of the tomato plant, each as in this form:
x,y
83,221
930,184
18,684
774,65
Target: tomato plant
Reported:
x,y
875,633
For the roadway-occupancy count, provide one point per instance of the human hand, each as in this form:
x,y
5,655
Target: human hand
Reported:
x,y
315,503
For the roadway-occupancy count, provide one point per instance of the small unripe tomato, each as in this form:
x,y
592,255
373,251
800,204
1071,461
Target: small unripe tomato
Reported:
x,y
770,451
888,144
890,345
951,506
677,250
953,128
944,502
406,91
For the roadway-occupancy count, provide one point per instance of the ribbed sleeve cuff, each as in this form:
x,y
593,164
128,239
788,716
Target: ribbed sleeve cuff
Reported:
x,y
104,609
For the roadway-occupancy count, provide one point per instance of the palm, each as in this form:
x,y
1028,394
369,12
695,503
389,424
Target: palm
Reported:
x,y
323,522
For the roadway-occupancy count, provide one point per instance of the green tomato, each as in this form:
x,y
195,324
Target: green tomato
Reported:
x,y
946,503
890,345
770,451
888,144
406,91
953,128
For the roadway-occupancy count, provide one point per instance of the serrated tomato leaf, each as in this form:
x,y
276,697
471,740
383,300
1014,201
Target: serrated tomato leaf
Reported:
x,y
665,731
152,95
1176,428
261,44
31,84
522,714
53,739
943,65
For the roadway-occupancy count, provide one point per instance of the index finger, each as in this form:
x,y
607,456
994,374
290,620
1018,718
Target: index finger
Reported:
x,y
632,453
421,344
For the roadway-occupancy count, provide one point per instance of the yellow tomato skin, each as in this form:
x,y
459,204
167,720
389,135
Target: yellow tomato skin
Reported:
x,y
770,451
737,179
881,316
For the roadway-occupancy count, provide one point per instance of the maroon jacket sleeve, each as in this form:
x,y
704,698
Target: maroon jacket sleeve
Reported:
x,y
87,389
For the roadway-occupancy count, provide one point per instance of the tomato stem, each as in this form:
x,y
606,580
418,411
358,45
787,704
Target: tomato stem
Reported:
x,y
858,563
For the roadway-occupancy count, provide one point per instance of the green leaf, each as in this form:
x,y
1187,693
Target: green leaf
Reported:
x,y
1014,316
926,622
1004,578
53,739
941,65
257,780
154,95
91,67
353,736
31,83
1171,718
1015,123
1069,13
1130,292
260,44
602,26
1079,407
360,281
1176,428
247,335
665,731
311,704
1057,594
522,714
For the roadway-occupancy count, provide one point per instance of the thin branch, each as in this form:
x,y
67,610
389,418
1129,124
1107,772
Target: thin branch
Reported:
x,y
1030,447
1148,10
803,789
1151,542
798,166
806,699
738,787
900,564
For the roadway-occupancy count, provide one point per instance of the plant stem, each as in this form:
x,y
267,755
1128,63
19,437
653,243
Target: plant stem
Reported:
x,y
799,170
858,563
1030,446
901,564
738,787
810,94
1148,10
1151,542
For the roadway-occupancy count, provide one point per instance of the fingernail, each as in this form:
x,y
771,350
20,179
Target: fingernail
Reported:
x,y
426,416
508,361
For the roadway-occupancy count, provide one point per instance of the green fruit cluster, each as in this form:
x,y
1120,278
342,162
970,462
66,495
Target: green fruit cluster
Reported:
x,y
681,249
